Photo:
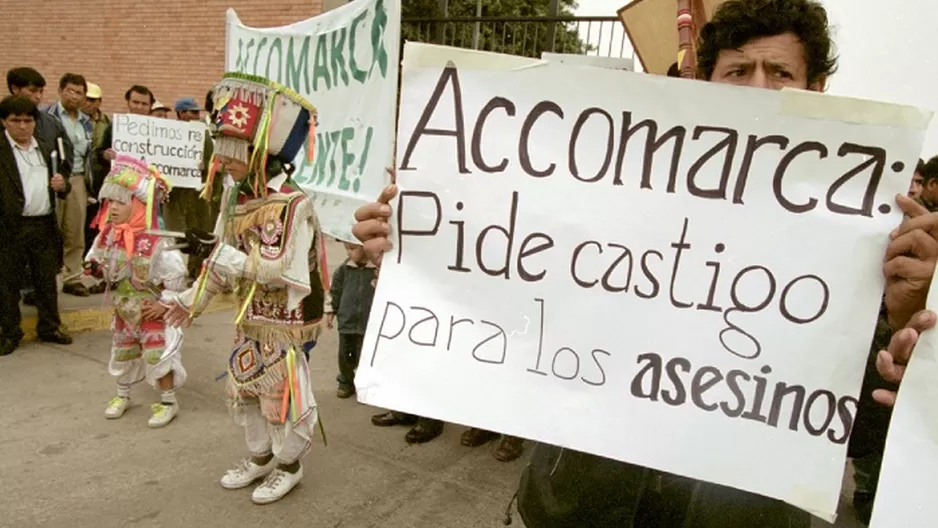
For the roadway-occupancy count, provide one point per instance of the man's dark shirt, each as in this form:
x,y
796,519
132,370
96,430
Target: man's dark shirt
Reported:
x,y
49,130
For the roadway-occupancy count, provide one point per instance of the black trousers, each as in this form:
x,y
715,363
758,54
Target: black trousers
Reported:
x,y
36,245
350,352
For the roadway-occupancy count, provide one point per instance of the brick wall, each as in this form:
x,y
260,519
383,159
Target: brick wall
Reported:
x,y
174,47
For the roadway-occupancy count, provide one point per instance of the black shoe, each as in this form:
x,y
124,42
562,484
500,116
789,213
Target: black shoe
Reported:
x,y
391,418
345,391
78,290
58,337
29,298
7,347
420,435
98,288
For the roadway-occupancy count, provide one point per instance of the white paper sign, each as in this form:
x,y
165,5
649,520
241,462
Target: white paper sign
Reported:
x,y
345,62
175,148
907,490
701,302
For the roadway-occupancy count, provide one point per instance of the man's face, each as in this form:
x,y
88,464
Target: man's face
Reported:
x,y
72,97
189,115
915,188
33,92
769,62
91,106
139,104
20,127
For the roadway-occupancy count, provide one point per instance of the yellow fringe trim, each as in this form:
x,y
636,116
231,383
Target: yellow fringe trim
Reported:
x,y
281,334
240,223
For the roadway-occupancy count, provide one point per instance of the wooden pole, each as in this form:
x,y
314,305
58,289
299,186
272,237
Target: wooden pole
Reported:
x,y
685,35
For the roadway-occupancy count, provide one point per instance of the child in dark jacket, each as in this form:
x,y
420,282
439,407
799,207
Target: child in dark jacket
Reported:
x,y
353,290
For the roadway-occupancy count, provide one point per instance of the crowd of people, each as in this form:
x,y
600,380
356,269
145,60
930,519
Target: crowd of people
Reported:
x,y
75,208
77,135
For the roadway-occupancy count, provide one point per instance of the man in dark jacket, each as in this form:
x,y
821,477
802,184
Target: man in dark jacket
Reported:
x,y
31,84
769,44
28,191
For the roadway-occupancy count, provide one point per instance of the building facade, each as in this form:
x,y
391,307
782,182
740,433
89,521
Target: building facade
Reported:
x,y
174,47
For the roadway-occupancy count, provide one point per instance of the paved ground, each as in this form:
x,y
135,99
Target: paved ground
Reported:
x,y
64,465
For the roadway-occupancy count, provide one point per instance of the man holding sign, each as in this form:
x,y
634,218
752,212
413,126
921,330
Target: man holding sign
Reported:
x,y
770,44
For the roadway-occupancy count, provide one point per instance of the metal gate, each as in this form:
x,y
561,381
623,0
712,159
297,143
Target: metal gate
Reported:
x,y
525,36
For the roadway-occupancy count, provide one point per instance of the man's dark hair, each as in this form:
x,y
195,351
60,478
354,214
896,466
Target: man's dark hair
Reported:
x,y
920,165
73,79
929,170
737,22
209,102
142,90
17,105
674,71
24,78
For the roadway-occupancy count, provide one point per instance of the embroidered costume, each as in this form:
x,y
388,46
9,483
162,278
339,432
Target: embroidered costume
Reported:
x,y
139,270
268,252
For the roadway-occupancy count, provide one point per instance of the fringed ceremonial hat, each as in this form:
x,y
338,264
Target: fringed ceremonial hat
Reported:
x,y
131,178
254,118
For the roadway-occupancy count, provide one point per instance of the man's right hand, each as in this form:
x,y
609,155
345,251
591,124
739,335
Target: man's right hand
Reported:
x,y
372,227
110,154
910,262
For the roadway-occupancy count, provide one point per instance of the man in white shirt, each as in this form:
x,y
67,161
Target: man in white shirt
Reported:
x,y
29,184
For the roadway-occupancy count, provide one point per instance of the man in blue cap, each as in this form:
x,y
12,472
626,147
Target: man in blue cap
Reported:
x,y
185,210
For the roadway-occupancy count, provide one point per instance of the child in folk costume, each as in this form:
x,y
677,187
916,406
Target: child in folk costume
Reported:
x,y
139,271
269,250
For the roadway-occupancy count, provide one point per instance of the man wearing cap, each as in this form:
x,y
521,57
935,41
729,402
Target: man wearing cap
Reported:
x,y
158,109
185,209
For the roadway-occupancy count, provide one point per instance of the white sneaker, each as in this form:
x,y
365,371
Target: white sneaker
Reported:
x,y
246,473
276,485
116,407
162,414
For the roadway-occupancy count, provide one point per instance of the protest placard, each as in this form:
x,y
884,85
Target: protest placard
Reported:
x,y
676,274
345,62
175,148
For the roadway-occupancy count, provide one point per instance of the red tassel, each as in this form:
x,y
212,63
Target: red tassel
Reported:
x,y
311,143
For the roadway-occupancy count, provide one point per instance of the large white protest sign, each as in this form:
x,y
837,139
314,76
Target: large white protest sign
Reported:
x,y
345,62
175,148
677,274
907,489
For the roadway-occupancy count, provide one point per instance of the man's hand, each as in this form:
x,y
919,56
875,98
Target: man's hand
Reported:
x,y
372,227
891,362
110,154
176,316
57,183
910,262
153,311
330,320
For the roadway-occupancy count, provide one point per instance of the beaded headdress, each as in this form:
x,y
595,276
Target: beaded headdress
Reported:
x,y
131,178
255,119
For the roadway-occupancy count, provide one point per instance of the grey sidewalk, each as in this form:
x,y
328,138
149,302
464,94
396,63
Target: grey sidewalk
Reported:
x,y
64,465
